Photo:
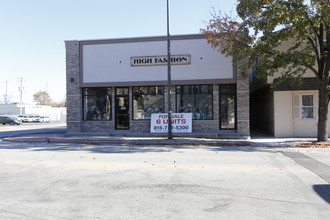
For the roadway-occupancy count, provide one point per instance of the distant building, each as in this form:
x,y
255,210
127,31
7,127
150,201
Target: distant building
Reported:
x,y
54,113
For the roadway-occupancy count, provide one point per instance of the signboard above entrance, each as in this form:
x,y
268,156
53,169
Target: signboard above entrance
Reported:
x,y
160,60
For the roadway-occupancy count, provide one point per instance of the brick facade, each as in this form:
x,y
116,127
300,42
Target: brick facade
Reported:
x,y
243,103
73,91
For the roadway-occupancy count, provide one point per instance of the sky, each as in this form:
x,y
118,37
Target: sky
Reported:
x,y
33,32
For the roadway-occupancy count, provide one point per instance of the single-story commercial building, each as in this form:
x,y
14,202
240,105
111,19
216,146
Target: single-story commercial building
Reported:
x,y
115,85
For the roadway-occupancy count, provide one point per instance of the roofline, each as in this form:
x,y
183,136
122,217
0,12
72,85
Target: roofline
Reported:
x,y
142,39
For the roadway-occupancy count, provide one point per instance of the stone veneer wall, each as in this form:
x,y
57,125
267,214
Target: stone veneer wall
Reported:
x,y
73,91
243,103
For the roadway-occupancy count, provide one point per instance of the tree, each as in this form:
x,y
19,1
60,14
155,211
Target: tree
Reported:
x,y
265,25
58,104
42,98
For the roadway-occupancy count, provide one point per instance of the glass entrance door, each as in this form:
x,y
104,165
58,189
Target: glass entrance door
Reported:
x,y
122,109
227,106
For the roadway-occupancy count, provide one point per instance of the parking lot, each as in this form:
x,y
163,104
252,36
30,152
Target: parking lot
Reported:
x,y
25,126
31,128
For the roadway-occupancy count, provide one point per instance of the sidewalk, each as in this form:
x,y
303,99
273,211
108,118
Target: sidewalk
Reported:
x,y
123,140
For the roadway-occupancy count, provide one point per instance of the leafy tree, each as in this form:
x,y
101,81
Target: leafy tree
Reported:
x,y
266,25
42,98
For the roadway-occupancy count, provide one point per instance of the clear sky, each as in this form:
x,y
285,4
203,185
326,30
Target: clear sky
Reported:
x,y
33,33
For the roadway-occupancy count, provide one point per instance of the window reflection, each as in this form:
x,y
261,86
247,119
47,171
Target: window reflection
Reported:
x,y
307,106
97,103
147,100
196,99
227,106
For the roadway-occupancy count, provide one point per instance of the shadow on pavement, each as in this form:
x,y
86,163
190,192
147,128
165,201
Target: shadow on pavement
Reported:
x,y
122,148
323,191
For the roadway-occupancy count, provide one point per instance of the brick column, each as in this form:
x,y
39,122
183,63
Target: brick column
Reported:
x,y
73,91
243,103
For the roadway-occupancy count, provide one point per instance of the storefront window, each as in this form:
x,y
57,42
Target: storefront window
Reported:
x,y
122,91
97,104
147,100
227,106
196,99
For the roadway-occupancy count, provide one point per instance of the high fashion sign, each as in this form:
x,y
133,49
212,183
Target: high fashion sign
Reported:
x,y
160,60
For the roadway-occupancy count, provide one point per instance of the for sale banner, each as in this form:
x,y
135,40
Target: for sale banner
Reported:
x,y
181,123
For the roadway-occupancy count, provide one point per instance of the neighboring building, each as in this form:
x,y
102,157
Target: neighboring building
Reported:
x,y
116,84
54,113
287,110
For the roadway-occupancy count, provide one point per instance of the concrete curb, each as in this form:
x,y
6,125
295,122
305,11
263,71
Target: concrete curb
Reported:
x,y
175,141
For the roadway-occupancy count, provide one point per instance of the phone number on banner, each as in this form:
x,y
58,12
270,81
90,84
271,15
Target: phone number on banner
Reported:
x,y
175,128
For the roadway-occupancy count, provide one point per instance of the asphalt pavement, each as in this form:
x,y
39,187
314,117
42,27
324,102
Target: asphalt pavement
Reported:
x,y
84,181
26,129
54,175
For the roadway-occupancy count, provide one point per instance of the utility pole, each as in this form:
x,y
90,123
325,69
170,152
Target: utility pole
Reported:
x,y
21,88
169,107
6,94
43,95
